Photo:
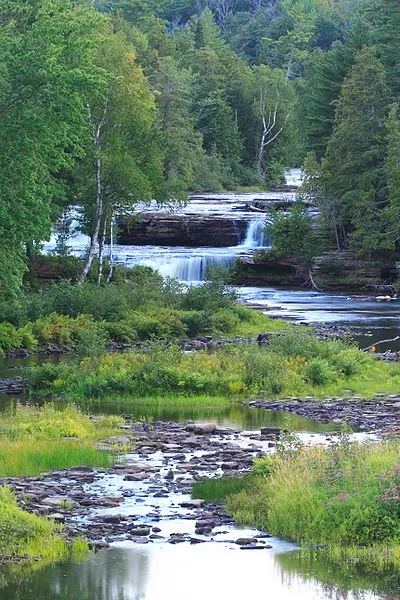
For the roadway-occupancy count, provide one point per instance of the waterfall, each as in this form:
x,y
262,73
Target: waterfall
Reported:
x,y
256,236
195,268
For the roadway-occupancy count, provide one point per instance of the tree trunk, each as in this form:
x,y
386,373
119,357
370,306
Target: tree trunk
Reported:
x,y
94,240
101,251
110,273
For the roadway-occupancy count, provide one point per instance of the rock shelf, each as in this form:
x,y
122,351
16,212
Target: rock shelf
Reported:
x,y
382,414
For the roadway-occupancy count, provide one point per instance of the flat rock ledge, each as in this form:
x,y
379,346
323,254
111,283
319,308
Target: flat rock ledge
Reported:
x,y
381,414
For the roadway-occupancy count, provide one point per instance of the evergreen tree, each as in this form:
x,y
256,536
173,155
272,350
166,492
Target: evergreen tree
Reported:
x,y
353,170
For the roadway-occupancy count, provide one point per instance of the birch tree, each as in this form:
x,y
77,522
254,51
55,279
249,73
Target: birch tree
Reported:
x,y
125,154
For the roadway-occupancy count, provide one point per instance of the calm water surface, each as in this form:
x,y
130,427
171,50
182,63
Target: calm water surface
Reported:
x,y
213,570
207,571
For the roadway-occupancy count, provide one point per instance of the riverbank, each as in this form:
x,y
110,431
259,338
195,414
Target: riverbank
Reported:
x,y
343,497
331,272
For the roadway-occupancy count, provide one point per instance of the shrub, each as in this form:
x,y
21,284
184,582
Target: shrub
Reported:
x,y
318,372
208,297
196,322
11,338
351,361
224,320
61,329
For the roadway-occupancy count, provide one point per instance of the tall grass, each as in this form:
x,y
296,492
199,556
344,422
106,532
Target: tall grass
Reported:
x,y
345,496
22,458
34,440
31,537
218,490
50,422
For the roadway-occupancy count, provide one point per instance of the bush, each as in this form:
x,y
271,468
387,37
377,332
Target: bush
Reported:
x,y
208,297
62,330
196,322
224,320
351,361
318,372
12,338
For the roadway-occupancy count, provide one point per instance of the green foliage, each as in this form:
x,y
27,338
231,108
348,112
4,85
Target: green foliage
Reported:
x,y
293,364
353,491
43,118
12,338
292,233
218,490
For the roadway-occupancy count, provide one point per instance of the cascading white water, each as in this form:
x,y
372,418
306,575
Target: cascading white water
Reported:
x,y
256,236
195,268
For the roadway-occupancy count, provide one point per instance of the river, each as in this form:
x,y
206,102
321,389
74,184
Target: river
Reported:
x,y
217,568
169,565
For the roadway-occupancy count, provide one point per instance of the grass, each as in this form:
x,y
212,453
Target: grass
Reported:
x,y
345,497
218,490
49,422
293,364
35,440
30,537
23,458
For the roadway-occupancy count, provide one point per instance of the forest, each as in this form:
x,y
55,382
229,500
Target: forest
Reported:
x,y
109,103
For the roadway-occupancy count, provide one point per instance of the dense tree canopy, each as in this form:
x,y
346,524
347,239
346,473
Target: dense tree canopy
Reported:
x,y
109,103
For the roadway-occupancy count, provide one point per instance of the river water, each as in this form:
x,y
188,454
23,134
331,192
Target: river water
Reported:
x,y
369,320
217,569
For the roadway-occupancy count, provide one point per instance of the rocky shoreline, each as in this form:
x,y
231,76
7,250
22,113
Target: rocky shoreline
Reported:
x,y
146,498
381,414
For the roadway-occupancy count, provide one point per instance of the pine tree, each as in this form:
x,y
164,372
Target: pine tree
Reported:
x,y
353,170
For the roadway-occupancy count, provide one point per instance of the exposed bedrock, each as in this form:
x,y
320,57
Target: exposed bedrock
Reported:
x,y
332,271
182,230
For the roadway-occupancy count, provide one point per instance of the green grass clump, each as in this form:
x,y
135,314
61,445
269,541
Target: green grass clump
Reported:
x,y
344,496
47,423
35,440
30,537
23,458
294,363
218,490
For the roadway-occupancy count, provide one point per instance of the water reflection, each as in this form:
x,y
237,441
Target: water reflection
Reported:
x,y
340,580
236,416
213,571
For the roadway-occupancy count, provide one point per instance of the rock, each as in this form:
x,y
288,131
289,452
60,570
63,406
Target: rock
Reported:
x,y
140,531
136,477
255,547
244,541
58,517
18,353
12,385
202,428
195,503
270,430
163,229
